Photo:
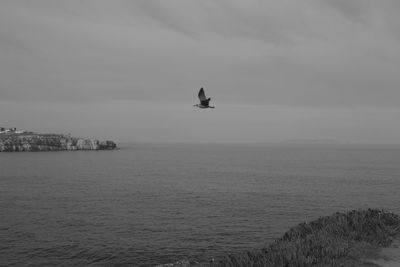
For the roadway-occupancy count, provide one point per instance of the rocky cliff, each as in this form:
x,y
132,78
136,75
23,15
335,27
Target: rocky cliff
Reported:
x,y
50,142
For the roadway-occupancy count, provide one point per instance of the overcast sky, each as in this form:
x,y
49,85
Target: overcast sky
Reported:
x,y
131,70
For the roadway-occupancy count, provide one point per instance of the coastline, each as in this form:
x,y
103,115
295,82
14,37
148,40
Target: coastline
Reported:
x,y
34,142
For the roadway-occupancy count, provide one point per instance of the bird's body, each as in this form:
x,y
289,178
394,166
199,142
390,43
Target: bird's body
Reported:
x,y
204,102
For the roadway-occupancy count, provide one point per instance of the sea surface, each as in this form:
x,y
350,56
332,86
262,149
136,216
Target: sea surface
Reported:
x,y
149,204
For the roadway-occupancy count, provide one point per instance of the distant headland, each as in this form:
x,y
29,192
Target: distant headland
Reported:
x,y
14,140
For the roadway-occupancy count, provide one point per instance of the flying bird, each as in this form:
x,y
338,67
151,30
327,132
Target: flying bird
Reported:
x,y
204,102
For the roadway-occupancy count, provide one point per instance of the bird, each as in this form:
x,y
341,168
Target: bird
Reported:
x,y
204,102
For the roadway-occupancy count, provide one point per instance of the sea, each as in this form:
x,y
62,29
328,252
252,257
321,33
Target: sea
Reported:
x,y
151,203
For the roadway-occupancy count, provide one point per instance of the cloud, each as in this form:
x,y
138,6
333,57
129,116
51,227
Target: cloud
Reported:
x,y
313,53
359,11
294,54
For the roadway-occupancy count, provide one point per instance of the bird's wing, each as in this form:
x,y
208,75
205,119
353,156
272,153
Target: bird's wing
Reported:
x,y
202,95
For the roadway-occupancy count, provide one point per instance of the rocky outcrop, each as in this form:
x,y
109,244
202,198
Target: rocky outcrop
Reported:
x,y
350,238
50,142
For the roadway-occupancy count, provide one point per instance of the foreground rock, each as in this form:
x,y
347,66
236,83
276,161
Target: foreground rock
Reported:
x,y
50,142
342,239
355,238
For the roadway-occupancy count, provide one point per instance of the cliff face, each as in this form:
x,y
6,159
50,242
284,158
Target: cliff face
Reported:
x,y
47,142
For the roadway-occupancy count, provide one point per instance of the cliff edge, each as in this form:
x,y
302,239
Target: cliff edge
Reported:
x,y
50,142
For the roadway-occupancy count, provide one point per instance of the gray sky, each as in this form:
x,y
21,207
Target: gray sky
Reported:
x,y
131,70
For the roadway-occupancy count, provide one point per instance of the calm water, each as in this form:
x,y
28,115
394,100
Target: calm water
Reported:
x,y
149,204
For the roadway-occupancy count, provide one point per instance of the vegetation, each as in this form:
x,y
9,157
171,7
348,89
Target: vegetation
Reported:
x,y
342,239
